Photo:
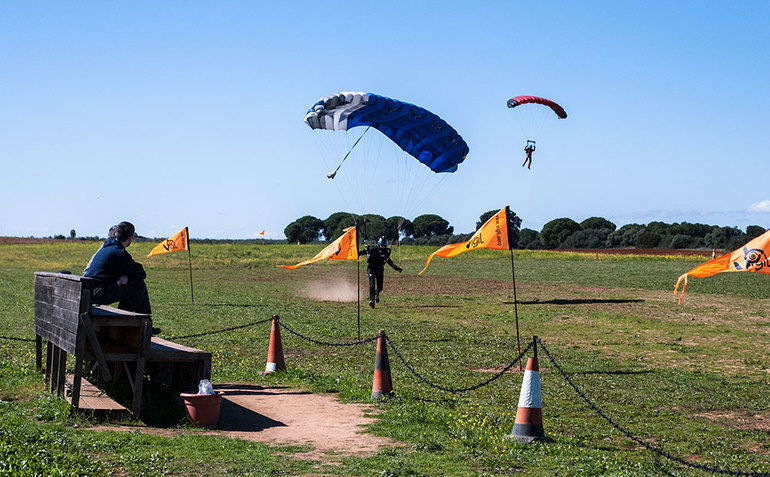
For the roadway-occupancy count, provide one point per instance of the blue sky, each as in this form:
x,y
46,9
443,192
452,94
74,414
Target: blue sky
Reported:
x,y
173,114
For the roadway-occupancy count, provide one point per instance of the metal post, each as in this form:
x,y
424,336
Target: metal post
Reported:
x,y
189,261
516,309
358,290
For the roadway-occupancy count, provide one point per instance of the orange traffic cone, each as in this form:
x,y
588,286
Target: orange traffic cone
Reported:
x,y
528,425
275,360
381,385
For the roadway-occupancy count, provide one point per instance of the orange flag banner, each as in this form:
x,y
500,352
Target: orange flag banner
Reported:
x,y
178,241
493,234
753,257
344,248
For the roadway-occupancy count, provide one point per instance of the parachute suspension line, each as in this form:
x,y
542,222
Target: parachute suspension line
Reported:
x,y
334,173
398,237
416,185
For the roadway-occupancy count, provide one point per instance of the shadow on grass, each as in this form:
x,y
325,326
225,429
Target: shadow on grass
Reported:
x,y
645,371
436,306
254,390
574,301
234,305
434,340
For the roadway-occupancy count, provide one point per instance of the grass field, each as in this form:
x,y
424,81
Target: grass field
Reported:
x,y
692,380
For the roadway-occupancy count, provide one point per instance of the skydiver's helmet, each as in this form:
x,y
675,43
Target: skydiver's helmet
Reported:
x,y
382,242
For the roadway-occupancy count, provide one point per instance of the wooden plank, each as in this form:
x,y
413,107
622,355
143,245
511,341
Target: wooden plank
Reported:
x,y
62,338
48,356
70,291
93,399
77,378
90,356
52,368
43,291
146,333
76,278
38,352
109,321
105,310
85,322
58,371
159,345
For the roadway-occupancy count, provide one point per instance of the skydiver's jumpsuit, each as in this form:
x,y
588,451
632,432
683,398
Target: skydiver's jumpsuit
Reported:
x,y
376,258
529,149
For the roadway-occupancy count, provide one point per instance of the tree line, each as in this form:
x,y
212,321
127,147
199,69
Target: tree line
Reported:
x,y
561,233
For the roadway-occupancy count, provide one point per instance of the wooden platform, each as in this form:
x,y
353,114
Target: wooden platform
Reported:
x,y
92,399
102,338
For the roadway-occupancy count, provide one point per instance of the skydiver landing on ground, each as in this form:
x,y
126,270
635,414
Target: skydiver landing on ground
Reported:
x,y
529,149
376,258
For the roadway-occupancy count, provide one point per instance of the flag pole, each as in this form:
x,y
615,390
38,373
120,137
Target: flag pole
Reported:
x,y
189,261
358,289
513,275
515,308
358,285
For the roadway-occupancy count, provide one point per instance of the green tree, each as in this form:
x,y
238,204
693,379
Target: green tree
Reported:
x,y
73,234
556,231
694,230
727,238
590,238
680,241
754,231
398,227
660,228
626,236
597,223
648,240
429,225
372,226
529,239
304,230
335,223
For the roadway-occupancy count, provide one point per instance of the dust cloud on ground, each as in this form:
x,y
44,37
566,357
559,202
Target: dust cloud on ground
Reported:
x,y
331,290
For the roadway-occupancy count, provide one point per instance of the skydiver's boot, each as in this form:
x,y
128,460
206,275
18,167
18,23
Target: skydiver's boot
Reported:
x,y
371,303
377,298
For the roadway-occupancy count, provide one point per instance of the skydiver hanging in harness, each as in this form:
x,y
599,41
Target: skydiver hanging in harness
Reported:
x,y
529,149
376,258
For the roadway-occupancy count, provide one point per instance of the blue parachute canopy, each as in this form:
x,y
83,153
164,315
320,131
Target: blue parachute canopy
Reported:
x,y
417,131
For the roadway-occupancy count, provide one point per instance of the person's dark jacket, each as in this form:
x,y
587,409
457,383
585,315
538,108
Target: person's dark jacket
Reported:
x,y
377,257
111,261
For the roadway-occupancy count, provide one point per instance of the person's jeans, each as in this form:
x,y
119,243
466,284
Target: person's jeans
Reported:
x,y
132,296
375,284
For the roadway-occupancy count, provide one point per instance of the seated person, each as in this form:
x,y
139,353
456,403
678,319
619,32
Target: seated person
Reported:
x,y
121,279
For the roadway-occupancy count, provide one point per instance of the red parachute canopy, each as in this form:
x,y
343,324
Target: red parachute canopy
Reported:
x,y
519,100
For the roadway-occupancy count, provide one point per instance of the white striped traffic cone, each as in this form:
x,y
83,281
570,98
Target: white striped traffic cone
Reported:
x,y
528,426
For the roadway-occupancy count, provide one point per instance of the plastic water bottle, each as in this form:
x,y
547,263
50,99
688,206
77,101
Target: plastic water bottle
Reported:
x,y
205,387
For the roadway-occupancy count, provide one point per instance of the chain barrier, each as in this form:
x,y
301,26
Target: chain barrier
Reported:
x,y
486,382
222,330
324,343
16,339
638,440
457,390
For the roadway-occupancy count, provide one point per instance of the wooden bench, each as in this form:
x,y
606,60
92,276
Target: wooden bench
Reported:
x,y
108,338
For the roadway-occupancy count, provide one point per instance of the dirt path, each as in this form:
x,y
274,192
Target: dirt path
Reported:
x,y
290,416
280,416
